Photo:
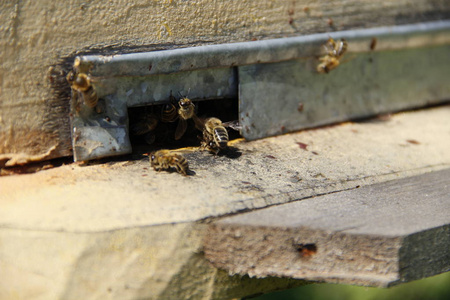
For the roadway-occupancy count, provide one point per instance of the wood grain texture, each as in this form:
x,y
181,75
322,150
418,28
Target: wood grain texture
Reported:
x,y
263,172
379,235
39,36
120,230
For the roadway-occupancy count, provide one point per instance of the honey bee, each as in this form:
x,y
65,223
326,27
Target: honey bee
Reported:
x,y
336,49
166,159
186,111
187,108
215,136
143,122
334,52
144,125
81,84
327,63
169,112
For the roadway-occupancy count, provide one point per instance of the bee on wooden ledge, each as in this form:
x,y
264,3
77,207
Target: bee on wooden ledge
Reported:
x,y
168,160
215,134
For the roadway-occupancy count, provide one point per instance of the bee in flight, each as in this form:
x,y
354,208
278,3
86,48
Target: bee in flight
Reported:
x,y
334,52
336,49
166,159
215,135
186,111
81,85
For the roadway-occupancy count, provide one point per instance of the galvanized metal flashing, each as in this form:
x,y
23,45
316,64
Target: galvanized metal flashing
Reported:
x,y
263,51
287,96
276,82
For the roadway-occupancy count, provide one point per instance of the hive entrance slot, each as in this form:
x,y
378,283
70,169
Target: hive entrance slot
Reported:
x,y
150,130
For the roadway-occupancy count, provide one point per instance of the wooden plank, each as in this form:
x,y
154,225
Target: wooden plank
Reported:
x,y
38,43
261,173
64,229
377,235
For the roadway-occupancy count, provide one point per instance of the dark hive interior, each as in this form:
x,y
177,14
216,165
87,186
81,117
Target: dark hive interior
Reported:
x,y
163,135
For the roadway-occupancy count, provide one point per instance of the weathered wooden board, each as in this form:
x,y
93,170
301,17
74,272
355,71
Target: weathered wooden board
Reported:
x,y
120,230
380,235
39,40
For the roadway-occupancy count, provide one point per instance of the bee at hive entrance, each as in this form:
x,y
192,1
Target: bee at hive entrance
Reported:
x,y
178,123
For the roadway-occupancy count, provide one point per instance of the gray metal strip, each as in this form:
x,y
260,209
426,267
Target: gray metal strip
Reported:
x,y
97,135
288,96
265,51
144,90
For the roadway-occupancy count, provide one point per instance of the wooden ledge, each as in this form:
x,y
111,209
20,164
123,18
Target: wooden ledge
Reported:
x,y
64,229
378,235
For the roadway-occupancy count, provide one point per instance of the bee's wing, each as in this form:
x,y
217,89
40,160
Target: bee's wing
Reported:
x,y
77,100
181,128
348,57
139,128
329,47
235,125
146,125
96,79
199,123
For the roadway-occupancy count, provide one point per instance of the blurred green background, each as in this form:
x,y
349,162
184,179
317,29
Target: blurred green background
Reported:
x,y
436,287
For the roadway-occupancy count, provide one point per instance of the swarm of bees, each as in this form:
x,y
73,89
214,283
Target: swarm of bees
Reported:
x,y
214,135
334,52
174,111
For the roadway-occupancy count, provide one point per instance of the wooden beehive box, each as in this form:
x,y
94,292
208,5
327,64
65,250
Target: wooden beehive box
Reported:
x,y
115,229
